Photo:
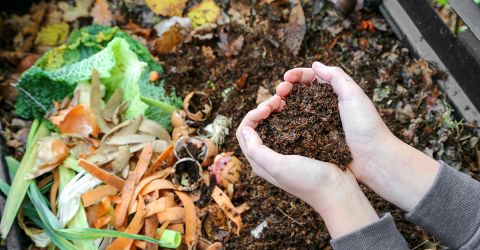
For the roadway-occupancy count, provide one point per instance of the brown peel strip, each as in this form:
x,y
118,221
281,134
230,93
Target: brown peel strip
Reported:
x,y
97,194
95,102
173,213
107,178
190,219
162,228
150,231
226,205
242,208
146,180
133,228
154,207
177,227
159,161
127,192
156,185
54,190
102,221
143,162
115,199
140,244
95,212
215,246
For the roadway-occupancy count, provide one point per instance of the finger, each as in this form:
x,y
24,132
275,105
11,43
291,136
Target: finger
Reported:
x,y
284,88
254,116
300,75
263,156
251,120
273,102
342,83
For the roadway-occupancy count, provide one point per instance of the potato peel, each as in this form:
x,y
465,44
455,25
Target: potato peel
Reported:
x,y
226,205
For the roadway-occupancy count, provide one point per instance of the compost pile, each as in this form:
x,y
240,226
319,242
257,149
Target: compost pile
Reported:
x,y
235,53
309,125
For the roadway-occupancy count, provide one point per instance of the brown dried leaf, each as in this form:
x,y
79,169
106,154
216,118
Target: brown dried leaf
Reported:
x,y
240,83
242,6
207,52
169,39
229,49
20,138
295,29
100,13
263,94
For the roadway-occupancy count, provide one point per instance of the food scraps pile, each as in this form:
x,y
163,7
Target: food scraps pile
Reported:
x,y
236,53
118,180
309,125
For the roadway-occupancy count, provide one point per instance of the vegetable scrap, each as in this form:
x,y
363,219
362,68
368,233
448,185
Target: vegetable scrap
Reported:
x,y
150,55
130,168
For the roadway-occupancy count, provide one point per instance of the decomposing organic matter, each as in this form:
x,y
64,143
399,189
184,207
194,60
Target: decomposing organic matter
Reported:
x,y
309,125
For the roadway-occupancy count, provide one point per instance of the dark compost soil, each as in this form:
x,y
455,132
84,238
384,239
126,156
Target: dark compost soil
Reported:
x,y
378,62
309,125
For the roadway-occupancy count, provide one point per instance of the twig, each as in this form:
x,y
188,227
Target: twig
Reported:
x,y
299,223
419,245
469,125
28,94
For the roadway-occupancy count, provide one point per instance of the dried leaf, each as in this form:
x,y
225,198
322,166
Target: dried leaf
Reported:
x,y
207,52
295,29
100,13
263,94
204,13
71,13
53,34
169,39
167,7
19,139
229,49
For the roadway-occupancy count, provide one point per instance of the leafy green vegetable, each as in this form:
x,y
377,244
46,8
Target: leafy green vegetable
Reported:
x,y
159,111
121,62
118,67
35,85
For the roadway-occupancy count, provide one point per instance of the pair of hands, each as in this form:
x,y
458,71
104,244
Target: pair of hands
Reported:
x,y
380,160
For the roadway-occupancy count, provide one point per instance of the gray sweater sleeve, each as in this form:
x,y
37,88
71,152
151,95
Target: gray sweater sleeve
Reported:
x,y
450,211
381,234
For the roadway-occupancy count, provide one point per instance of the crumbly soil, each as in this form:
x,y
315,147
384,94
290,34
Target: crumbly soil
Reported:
x,y
376,61
309,125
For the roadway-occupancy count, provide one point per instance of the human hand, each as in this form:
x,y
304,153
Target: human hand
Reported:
x,y
331,192
391,168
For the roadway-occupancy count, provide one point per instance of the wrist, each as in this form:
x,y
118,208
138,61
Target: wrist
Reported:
x,y
345,209
403,174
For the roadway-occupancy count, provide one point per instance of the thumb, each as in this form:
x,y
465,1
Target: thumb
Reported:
x,y
264,157
342,84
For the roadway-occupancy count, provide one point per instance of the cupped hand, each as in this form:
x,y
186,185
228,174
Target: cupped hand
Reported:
x,y
331,192
394,170
364,129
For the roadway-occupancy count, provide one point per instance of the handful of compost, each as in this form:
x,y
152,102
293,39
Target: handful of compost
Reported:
x,y
309,125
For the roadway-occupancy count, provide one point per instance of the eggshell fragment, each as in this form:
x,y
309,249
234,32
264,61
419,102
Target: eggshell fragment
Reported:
x,y
178,118
202,109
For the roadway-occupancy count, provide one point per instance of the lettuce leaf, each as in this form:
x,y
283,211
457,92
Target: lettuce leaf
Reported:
x,y
121,62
